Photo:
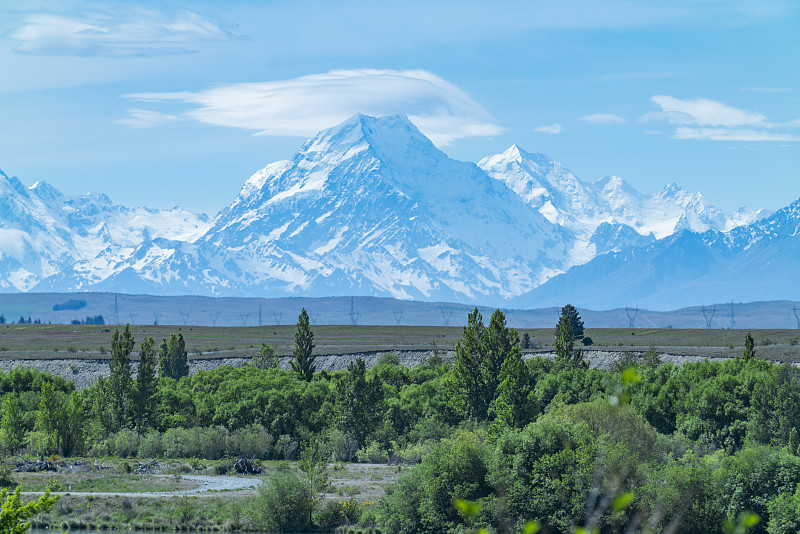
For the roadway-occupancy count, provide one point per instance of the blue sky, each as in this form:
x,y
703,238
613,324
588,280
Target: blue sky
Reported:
x,y
177,103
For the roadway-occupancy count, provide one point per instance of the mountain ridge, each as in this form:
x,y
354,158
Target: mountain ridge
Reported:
x,y
367,207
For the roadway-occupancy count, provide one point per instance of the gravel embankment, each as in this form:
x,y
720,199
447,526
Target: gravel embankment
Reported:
x,y
85,371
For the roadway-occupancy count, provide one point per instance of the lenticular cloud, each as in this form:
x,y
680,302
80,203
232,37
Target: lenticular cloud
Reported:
x,y
302,106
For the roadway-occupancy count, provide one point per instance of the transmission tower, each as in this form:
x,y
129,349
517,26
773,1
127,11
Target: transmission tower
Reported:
x,y
156,317
116,309
632,313
398,316
447,314
354,315
133,317
709,316
260,318
277,316
184,317
213,316
796,315
733,317
244,317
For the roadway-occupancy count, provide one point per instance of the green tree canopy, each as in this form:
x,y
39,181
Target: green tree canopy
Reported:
x,y
120,382
173,360
146,386
575,320
12,425
480,355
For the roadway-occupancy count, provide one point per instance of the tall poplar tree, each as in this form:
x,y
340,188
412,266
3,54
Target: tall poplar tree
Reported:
x,y
50,416
120,382
146,386
12,425
480,356
173,360
303,362
359,402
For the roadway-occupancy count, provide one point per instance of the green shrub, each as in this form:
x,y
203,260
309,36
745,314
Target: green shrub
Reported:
x,y
338,513
343,446
212,441
784,513
150,446
283,503
126,443
373,454
6,477
389,358
180,443
252,441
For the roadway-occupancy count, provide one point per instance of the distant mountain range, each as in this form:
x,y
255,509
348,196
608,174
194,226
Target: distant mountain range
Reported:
x,y
371,207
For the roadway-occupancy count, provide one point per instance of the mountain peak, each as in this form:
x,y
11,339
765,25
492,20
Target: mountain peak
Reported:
x,y
515,152
46,192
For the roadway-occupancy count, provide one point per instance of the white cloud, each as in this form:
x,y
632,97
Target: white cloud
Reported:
x,y
305,105
549,129
710,120
702,112
131,33
732,134
145,118
602,118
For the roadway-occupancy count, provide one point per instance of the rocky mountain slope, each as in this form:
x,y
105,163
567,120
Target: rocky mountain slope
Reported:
x,y
758,261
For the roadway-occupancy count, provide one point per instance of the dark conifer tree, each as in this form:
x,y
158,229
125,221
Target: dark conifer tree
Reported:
x,y
303,362
575,321
173,360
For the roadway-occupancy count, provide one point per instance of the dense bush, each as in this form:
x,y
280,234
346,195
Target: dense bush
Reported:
x,y
283,503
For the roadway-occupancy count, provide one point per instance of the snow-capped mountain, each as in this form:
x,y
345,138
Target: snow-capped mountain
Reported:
x,y
368,207
371,207
755,262
44,234
554,191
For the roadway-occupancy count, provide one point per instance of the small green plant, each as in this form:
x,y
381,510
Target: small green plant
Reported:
x,y
6,477
185,510
16,515
794,340
54,484
72,349
267,358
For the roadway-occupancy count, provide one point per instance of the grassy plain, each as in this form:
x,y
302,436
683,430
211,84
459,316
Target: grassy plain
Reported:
x,y
81,341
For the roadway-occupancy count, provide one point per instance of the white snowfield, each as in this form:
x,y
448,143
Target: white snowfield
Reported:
x,y
368,207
